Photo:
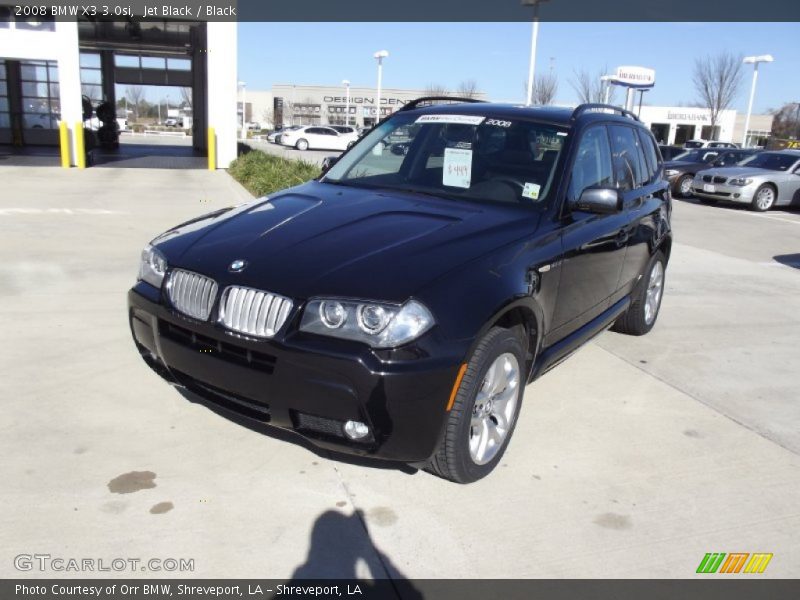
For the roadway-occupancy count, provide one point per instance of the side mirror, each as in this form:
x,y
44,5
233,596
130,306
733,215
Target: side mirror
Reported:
x,y
601,201
328,162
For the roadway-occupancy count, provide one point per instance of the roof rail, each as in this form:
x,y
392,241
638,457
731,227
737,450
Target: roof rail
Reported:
x,y
453,100
601,107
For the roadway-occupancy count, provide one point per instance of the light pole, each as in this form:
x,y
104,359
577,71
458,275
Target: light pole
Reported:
x,y
753,60
534,40
379,56
243,85
346,85
607,81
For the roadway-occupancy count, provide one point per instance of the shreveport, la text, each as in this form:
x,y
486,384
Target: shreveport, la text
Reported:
x,y
166,589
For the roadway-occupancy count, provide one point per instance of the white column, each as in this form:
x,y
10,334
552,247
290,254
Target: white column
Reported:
x,y
222,89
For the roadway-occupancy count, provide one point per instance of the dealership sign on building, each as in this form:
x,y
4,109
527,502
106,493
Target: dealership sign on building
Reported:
x,y
635,77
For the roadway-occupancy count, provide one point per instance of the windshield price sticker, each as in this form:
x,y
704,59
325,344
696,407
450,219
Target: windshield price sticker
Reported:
x,y
457,171
456,119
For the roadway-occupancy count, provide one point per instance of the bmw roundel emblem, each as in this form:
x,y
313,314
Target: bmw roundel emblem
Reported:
x,y
237,265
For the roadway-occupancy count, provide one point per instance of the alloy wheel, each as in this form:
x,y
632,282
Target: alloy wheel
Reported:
x,y
765,198
494,408
655,287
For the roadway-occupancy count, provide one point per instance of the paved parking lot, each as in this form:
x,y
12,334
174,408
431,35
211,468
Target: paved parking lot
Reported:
x,y
632,459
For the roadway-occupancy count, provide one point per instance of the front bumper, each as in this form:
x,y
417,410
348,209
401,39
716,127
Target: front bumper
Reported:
x,y
722,191
307,384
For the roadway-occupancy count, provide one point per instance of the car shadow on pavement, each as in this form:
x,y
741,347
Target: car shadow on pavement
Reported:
x,y
790,260
284,435
339,542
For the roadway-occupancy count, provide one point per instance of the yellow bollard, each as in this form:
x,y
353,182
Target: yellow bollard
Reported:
x,y
212,150
63,136
80,159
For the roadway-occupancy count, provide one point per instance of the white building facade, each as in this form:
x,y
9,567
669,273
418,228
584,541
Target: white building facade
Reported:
x,y
674,125
46,66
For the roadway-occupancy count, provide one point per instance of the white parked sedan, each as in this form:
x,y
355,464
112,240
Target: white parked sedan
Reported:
x,y
318,138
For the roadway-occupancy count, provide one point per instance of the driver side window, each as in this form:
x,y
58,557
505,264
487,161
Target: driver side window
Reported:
x,y
592,166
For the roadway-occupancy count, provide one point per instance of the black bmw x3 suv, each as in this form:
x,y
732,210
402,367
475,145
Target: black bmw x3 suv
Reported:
x,y
397,306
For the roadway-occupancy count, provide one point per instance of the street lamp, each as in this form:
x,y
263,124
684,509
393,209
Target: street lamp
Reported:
x,y
346,85
753,60
534,39
607,82
243,85
379,56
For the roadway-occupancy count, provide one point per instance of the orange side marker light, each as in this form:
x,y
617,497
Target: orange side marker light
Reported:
x,y
456,385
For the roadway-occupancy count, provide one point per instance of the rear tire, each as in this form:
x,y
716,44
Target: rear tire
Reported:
x,y
642,314
484,413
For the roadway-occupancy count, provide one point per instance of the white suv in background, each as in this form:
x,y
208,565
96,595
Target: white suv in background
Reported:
x,y
315,137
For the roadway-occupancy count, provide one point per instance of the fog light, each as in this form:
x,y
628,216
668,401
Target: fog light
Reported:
x,y
356,430
736,195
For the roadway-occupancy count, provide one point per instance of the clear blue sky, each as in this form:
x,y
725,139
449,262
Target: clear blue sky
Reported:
x,y
496,55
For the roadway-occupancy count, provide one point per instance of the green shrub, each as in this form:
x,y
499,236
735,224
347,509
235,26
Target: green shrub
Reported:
x,y
264,173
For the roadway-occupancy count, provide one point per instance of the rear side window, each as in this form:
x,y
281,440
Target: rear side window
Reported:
x,y
592,166
650,154
629,170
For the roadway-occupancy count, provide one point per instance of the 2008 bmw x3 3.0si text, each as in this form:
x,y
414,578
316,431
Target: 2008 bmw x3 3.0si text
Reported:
x,y
397,306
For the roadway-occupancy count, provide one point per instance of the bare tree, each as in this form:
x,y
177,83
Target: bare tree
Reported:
x,y
590,87
267,116
468,89
135,95
786,121
436,89
186,96
545,88
717,80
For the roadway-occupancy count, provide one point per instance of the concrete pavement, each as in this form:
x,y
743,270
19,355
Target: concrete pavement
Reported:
x,y
632,459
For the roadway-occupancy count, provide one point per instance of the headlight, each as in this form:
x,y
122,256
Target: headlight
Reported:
x,y
374,323
740,181
153,266
670,172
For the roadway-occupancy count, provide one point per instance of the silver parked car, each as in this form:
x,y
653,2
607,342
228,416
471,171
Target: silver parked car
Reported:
x,y
764,180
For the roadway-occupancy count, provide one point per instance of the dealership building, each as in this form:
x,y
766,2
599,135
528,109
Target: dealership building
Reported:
x,y
288,104
48,66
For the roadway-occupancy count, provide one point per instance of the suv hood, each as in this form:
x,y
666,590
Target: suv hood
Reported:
x,y
321,239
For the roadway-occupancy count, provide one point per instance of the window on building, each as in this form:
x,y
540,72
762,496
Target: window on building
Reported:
x,y
5,117
41,107
91,77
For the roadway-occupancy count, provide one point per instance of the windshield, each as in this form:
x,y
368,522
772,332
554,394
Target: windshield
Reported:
x,y
693,144
772,161
466,157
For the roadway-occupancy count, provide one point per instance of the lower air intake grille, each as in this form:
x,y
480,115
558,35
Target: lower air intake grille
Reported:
x,y
191,294
253,312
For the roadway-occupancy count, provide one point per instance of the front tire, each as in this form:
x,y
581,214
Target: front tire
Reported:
x,y
484,413
301,144
683,187
641,315
764,198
